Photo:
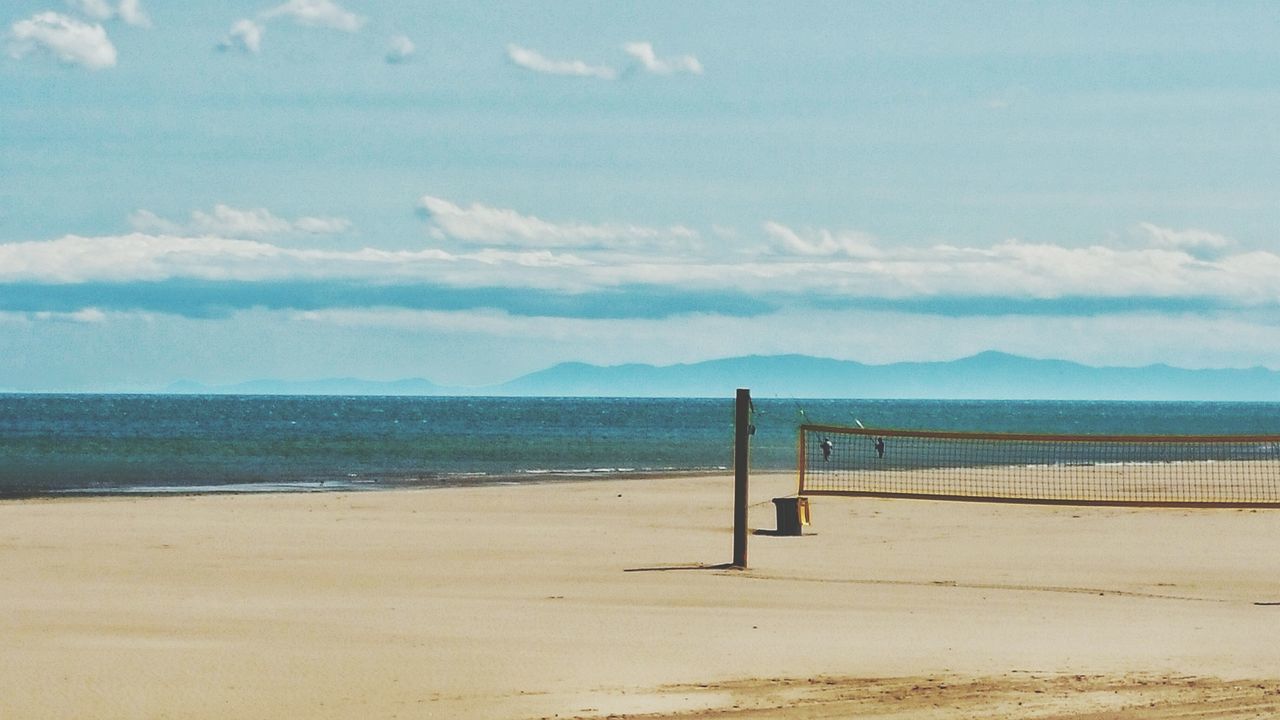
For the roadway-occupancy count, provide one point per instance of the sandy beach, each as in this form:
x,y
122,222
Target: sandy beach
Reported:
x,y
604,598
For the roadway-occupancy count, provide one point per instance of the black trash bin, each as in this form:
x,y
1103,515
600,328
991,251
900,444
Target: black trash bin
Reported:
x,y
793,513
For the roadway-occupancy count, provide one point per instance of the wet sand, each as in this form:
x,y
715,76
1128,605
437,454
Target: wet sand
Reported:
x,y
604,598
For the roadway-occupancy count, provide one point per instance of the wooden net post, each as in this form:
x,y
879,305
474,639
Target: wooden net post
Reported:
x,y
741,462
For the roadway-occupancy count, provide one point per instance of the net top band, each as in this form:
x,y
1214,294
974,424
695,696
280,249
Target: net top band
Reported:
x,y
1037,437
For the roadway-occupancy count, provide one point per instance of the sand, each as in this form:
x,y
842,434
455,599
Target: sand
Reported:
x,y
602,599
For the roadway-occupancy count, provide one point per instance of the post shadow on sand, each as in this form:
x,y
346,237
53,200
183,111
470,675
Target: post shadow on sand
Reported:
x,y
793,514
690,566
777,533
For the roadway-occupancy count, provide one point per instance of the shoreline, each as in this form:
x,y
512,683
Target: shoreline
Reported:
x,y
592,599
444,481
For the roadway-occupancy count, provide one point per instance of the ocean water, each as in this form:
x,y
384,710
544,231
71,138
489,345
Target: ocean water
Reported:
x,y
106,444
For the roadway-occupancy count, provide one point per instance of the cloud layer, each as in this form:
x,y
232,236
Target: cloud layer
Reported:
x,y
495,252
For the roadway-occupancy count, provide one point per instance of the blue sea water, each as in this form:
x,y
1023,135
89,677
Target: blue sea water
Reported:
x,y
53,444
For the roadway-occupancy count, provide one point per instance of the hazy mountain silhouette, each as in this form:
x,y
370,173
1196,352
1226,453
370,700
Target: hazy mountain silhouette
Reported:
x,y
988,375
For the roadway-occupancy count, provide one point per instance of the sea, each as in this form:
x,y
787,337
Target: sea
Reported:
x,y
52,445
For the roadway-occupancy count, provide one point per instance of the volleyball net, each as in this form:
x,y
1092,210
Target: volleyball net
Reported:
x,y
1164,470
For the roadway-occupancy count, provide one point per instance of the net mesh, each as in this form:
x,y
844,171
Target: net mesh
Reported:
x,y
1240,470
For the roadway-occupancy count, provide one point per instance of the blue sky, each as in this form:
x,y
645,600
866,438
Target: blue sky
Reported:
x,y
469,191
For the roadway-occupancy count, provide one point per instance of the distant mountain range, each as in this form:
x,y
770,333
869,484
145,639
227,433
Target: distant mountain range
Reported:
x,y
988,375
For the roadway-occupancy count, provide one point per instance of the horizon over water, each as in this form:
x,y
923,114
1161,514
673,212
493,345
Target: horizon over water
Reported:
x,y
112,444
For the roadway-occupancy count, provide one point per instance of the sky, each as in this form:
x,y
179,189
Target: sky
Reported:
x,y
470,191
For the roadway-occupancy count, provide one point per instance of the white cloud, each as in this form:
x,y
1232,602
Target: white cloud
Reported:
x,y
94,9
317,13
130,11
227,221
322,225
1019,270
247,34
500,226
73,258
643,52
399,49
244,35
535,61
823,242
1190,239
852,264
234,222
69,40
147,221
85,315
89,315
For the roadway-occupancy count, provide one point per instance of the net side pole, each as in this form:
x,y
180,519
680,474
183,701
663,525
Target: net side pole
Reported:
x,y
741,460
